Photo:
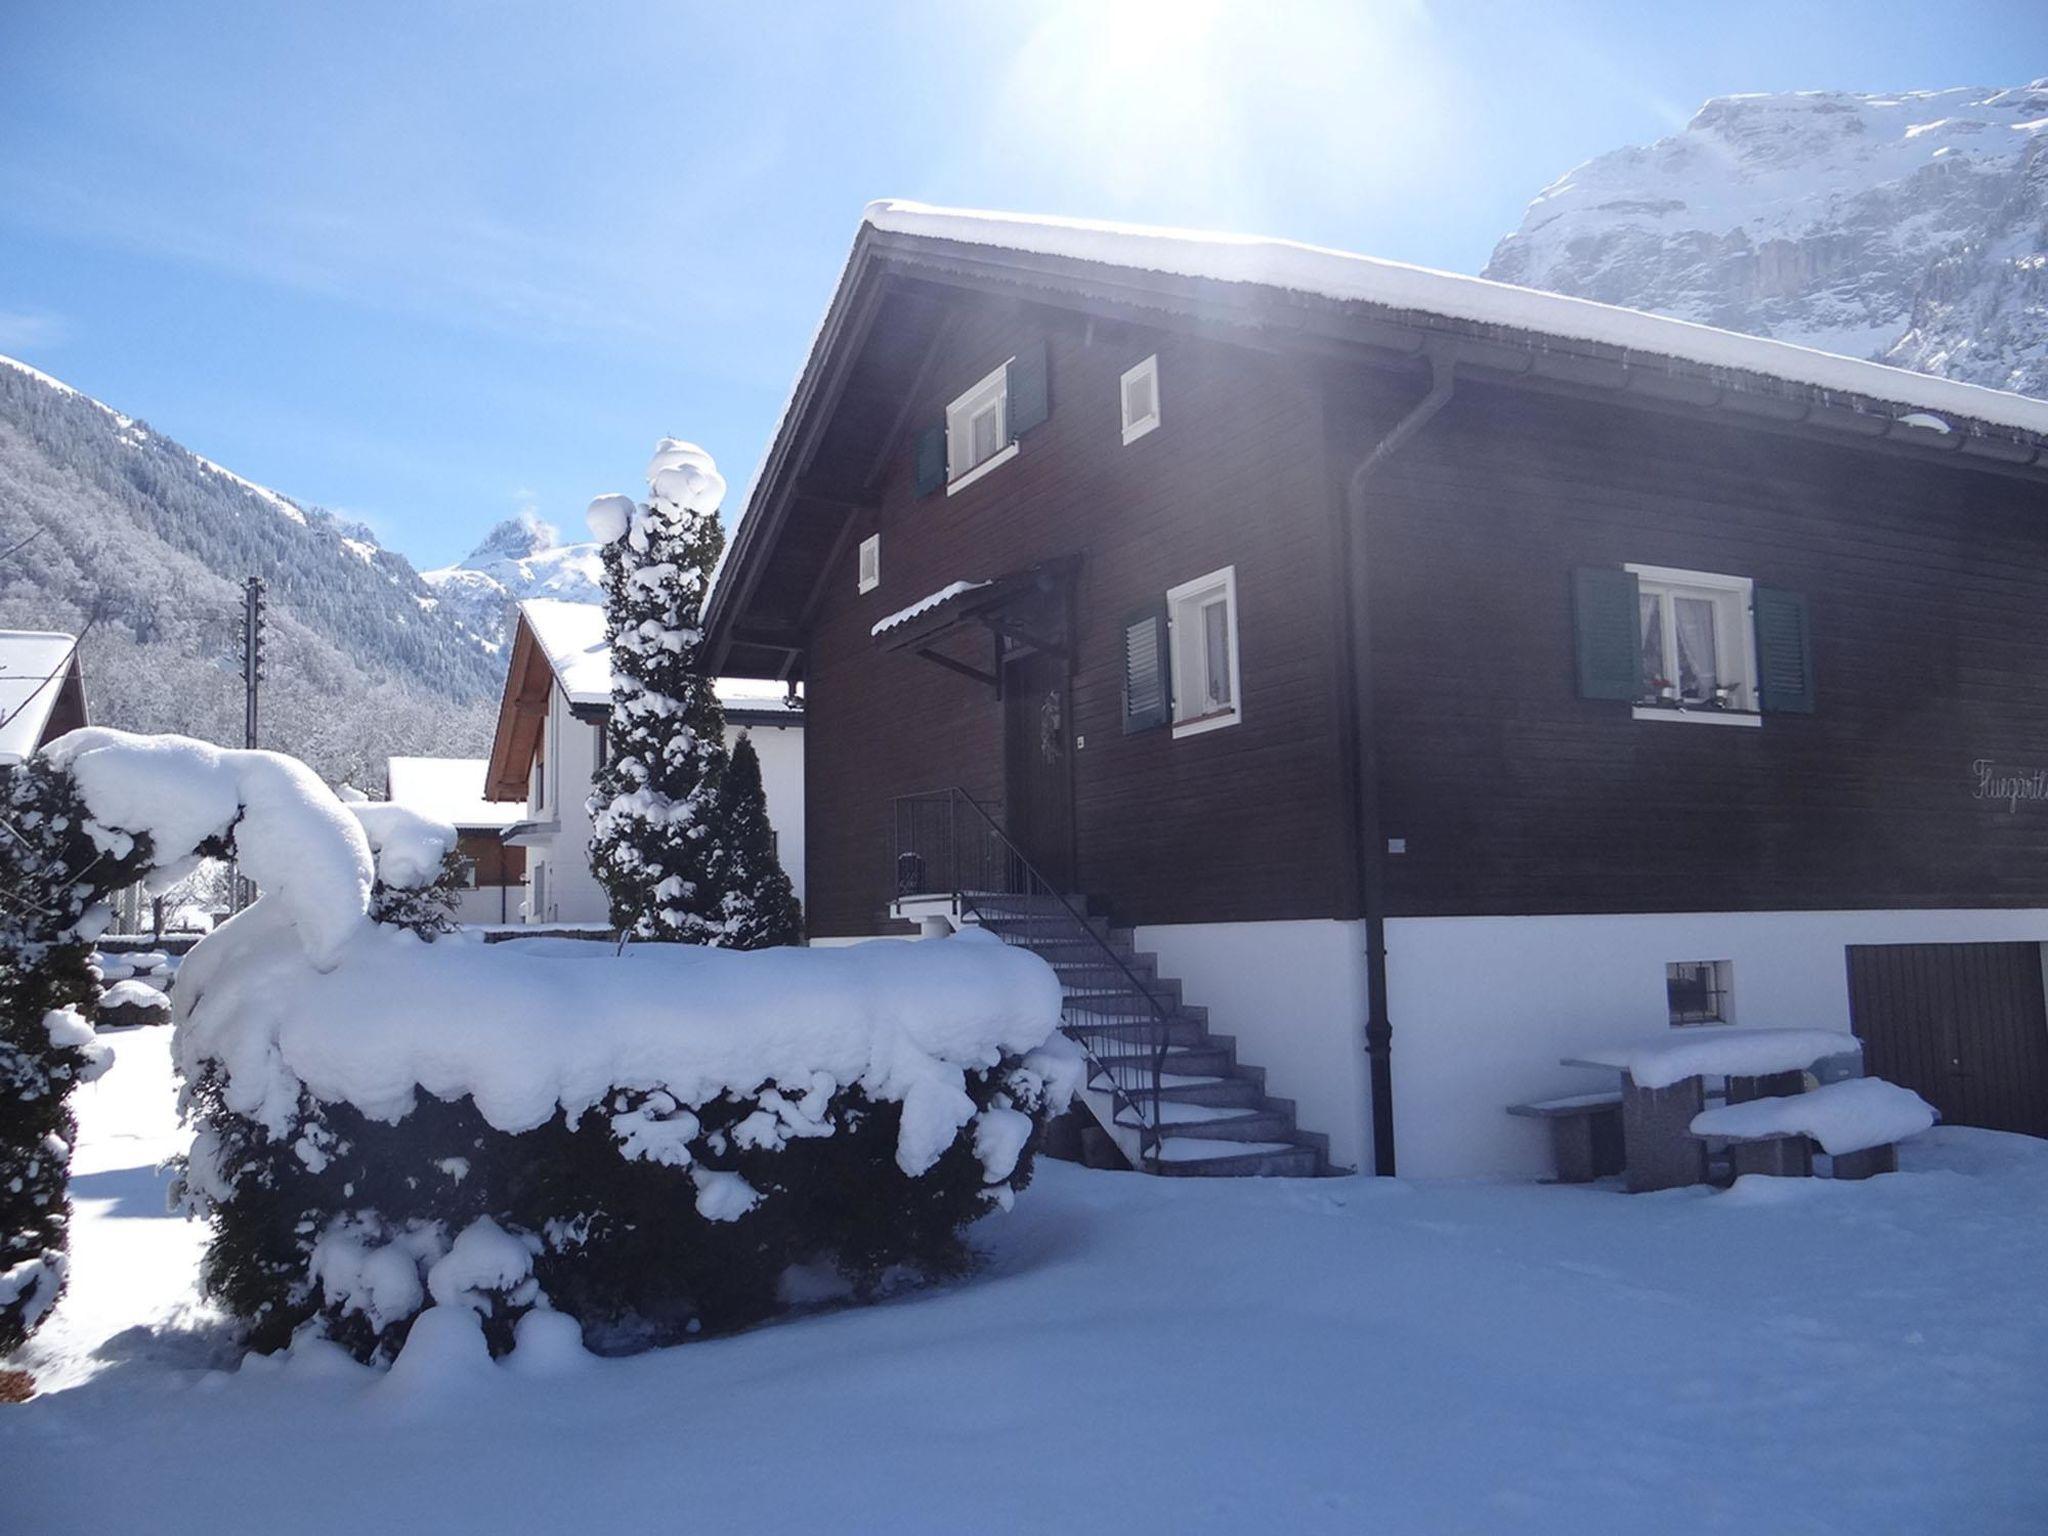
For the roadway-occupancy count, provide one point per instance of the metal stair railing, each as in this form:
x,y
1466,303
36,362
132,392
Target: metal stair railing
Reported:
x,y
949,844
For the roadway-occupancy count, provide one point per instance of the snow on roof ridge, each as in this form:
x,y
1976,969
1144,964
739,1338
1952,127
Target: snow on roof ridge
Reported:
x,y
571,635
1345,275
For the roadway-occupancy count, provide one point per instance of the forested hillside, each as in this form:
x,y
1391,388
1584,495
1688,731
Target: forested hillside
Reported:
x,y
104,522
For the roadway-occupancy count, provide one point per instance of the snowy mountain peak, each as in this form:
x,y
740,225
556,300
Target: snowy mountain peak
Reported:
x,y
1911,227
519,558
516,538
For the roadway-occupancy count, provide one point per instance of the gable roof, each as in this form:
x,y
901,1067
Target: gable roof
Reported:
x,y
1385,313
561,644
1343,277
42,690
449,789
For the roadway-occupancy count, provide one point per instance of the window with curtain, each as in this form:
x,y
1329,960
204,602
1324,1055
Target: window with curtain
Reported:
x,y
1697,649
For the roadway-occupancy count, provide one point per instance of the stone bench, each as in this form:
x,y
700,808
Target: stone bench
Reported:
x,y
1585,1134
1859,1122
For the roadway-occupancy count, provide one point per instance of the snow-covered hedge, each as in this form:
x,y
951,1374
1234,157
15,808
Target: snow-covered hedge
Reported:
x,y
649,1141
662,1133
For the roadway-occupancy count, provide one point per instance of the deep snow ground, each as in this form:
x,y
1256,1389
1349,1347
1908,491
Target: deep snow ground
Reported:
x,y
1143,1356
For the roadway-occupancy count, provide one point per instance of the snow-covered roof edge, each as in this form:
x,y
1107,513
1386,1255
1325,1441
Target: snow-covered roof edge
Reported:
x,y
571,637
34,666
1344,276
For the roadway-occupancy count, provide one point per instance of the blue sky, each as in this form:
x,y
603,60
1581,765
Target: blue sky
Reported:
x,y
432,263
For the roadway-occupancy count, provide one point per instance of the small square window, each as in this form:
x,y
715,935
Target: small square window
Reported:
x,y
1700,991
978,429
1201,622
871,562
1141,399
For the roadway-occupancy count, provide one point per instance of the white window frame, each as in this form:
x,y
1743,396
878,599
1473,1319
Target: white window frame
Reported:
x,y
1136,427
1190,657
870,567
1734,642
993,391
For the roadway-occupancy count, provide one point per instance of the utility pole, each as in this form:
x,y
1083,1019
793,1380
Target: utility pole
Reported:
x,y
252,678
252,654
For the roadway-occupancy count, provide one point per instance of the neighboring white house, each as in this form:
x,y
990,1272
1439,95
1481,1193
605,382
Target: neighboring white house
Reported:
x,y
550,741
451,789
42,690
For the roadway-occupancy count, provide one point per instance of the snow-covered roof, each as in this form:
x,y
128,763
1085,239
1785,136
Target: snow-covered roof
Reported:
x,y
449,789
32,663
1342,276
571,636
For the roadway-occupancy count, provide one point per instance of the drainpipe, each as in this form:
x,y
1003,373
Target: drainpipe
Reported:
x,y
1372,842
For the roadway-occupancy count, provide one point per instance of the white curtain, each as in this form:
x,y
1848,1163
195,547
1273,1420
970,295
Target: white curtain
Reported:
x,y
1653,641
1697,666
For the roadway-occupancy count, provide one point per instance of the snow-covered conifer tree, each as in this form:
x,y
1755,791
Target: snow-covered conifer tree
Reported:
x,y
654,846
54,870
761,909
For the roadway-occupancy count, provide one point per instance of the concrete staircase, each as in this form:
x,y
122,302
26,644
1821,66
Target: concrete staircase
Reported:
x,y
1216,1119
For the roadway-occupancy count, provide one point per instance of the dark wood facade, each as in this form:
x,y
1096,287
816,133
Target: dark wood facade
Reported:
x,y
1205,828
496,863
1926,579
1928,588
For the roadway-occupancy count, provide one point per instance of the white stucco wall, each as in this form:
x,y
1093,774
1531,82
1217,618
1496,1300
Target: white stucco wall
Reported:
x,y
558,866
561,791
1293,994
781,750
491,904
1484,1009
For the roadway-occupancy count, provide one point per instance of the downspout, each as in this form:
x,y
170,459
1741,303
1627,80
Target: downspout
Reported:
x,y
1372,843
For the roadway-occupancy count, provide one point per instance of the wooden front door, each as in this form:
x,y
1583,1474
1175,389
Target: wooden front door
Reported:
x,y
1965,1026
1038,769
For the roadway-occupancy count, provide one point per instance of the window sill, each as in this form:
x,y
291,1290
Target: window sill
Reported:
x,y
1698,716
1138,429
1198,724
987,464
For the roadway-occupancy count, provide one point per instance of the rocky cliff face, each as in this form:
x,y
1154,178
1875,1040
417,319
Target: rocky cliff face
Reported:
x,y
519,558
1912,229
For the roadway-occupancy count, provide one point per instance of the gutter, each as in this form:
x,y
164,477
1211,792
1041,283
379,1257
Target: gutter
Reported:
x,y
1371,851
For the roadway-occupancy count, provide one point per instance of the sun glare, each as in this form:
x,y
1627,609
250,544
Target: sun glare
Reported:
x,y
1225,108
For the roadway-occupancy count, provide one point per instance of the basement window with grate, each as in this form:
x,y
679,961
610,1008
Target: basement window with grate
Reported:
x,y
1700,991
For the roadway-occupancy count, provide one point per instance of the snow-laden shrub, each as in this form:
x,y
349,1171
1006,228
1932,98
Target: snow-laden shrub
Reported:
x,y
418,872
647,1140
667,1131
56,868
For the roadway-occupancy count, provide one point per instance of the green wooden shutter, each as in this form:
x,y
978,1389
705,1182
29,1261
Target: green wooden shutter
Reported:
x,y
931,460
1608,633
1148,678
1784,651
1029,403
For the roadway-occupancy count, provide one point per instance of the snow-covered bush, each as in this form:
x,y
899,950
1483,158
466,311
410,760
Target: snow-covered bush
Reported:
x,y
667,1130
647,1141
655,846
56,867
419,873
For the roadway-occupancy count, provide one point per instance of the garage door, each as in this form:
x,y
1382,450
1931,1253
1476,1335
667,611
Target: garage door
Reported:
x,y
1963,1025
